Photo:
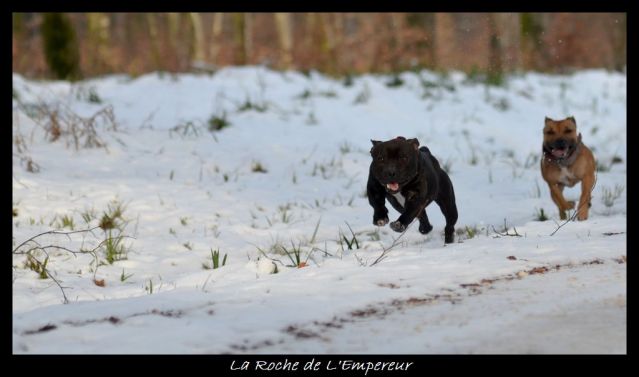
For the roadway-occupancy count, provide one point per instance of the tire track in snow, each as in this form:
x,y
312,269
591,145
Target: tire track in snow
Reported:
x,y
325,330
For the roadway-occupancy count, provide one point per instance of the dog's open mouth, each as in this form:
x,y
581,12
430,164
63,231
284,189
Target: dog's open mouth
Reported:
x,y
392,186
559,152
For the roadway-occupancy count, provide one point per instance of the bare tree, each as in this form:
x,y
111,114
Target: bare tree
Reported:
x,y
328,41
155,39
174,28
198,37
239,41
284,32
248,37
214,49
98,37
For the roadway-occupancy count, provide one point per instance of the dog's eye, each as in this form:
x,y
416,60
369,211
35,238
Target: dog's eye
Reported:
x,y
380,158
567,131
550,132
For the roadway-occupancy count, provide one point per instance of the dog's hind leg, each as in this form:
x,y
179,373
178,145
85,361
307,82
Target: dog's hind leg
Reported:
x,y
450,213
584,201
446,202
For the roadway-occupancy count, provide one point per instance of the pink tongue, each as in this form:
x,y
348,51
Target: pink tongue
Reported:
x,y
393,186
558,152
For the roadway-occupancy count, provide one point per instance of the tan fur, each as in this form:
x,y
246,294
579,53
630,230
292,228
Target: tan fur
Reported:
x,y
581,170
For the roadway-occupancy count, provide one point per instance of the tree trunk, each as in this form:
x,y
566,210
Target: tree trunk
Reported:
x,y
98,37
155,40
218,19
327,45
198,37
248,37
174,26
507,27
495,64
239,39
284,31
444,40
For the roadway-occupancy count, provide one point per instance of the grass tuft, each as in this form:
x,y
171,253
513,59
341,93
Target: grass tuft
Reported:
x,y
395,81
114,248
249,105
351,243
610,195
218,122
215,260
257,167
124,277
540,215
36,266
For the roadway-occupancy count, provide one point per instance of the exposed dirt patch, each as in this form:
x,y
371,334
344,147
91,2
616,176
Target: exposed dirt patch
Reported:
x,y
245,346
172,313
114,320
389,285
168,313
368,312
621,259
45,328
335,323
301,333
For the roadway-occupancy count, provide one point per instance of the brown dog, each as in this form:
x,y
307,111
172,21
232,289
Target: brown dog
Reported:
x,y
566,161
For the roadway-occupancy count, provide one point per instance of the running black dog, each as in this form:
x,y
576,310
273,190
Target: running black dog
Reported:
x,y
410,178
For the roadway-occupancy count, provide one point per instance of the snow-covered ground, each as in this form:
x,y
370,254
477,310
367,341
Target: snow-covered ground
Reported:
x,y
289,173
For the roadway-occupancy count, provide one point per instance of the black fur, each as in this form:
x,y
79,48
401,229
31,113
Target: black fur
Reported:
x,y
420,179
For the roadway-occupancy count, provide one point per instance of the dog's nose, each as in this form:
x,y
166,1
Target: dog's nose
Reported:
x,y
561,144
391,174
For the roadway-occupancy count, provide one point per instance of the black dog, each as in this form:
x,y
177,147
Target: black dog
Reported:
x,y
410,178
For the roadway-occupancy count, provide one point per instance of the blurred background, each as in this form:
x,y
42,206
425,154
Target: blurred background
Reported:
x,y
80,45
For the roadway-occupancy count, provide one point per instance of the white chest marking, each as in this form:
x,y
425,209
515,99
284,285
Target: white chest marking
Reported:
x,y
566,177
400,198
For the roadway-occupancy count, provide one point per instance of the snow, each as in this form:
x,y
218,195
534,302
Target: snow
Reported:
x,y
541,314
270,179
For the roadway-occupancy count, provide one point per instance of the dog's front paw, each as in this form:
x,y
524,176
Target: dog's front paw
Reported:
x,y
583,215
381,222
397,226
425,228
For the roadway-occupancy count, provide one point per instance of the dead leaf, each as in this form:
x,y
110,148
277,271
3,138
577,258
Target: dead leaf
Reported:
x,y
99,283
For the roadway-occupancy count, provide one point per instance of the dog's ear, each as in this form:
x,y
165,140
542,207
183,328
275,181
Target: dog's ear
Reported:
x,y
415,143
375,143
548,121
572,119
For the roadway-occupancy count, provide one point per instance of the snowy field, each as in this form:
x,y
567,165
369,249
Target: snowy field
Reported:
x,y
269,169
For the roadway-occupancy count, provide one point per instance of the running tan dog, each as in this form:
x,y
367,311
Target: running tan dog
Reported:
x,y
566,161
